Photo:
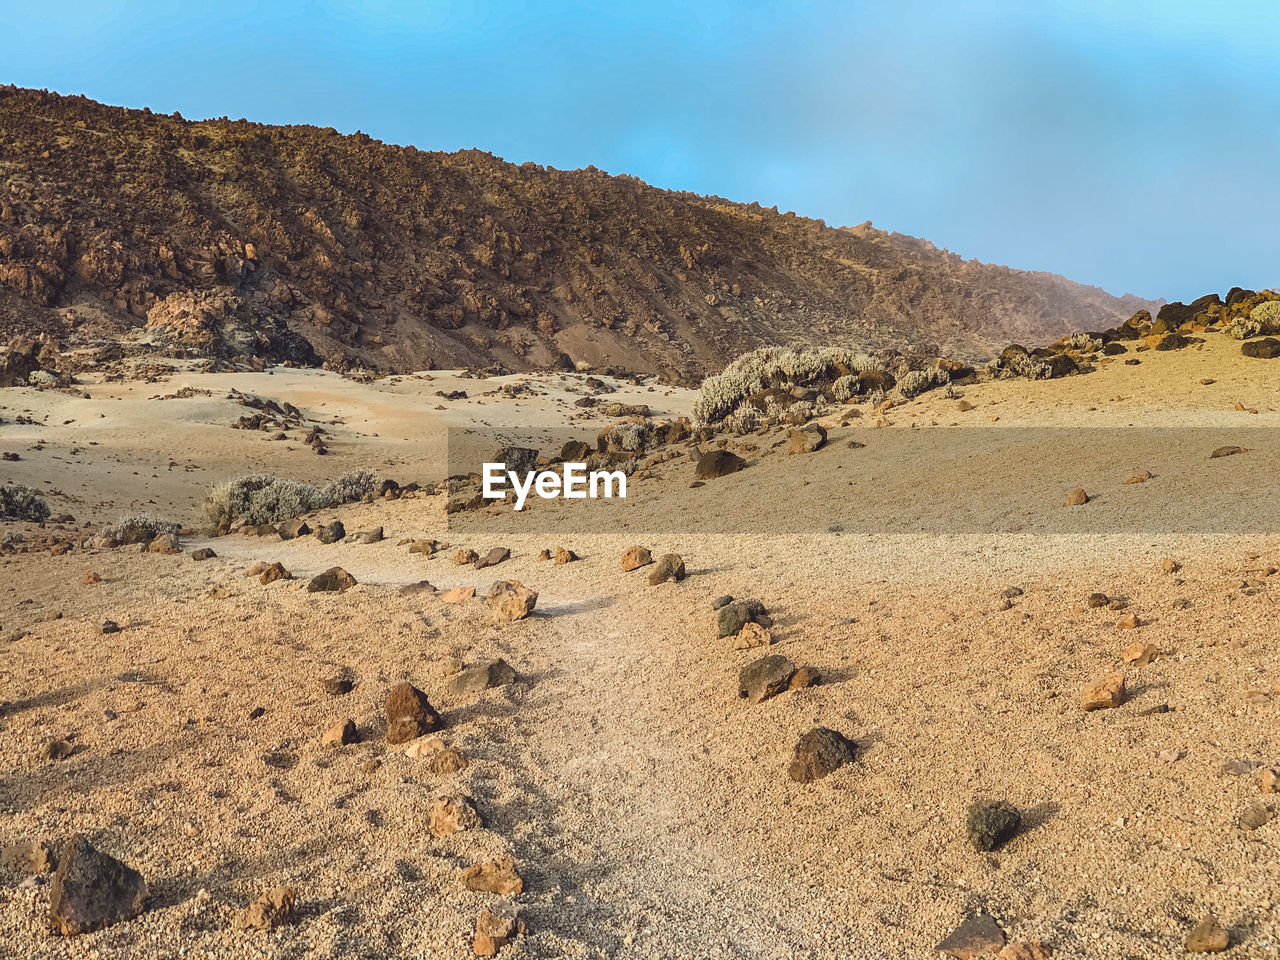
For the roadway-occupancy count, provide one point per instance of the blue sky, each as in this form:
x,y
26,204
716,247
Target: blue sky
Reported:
x,y
1134,144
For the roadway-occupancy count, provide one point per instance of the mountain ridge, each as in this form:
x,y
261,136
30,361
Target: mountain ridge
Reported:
x,y
300,243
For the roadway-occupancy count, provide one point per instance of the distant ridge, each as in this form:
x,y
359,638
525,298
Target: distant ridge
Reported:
x,y
402,259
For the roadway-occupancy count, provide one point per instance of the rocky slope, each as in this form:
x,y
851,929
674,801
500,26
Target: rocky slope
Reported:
x,y
297,243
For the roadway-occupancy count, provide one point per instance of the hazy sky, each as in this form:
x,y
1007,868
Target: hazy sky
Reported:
x,y
1134,144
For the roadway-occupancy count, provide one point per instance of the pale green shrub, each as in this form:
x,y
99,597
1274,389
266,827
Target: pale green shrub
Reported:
x,y
22,503
351,487
915,382
139,528
1267,317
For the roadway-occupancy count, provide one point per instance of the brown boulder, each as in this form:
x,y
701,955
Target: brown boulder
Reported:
x,y
451,814
635,557
1104,693
511,600
333,580
497,876
92,890
409,714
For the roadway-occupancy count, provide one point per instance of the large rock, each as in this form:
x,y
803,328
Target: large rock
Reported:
x,y
635,557
764,678
297,527
92,890
409,714
497,925
30,856
1104,693
808,439
497,876
511,600
1268,348
718,463
989,823
732,617
1208,936
496,673
670,567
332,532
819,752
978,935
333,580
493,558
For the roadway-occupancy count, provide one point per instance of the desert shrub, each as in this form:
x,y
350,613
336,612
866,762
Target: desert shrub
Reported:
x,y
1243,328
350,487
951,393
283,500
878,396
767,367
846,388
631,437
1267,317
1019,365
915,382
746,419
139,528
22,503
41,378
1084,343
262,498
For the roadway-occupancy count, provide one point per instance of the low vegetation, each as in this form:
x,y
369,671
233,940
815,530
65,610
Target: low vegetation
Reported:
x,y
261,498
22,503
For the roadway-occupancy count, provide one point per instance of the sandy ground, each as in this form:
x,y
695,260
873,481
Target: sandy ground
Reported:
x,y
646,805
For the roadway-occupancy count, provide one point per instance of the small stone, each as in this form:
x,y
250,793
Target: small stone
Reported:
x,y
819,752
808,439
1227,452
764,678
544,554
370,536
255,570
1208,936
297,527
91,578
423,547
1076,498
447,761
1104,693
337,686
1269,781
465,556
495,673
978,934
1140,654
564,556
56,750
340,734
1169,756
1236,768
333,580
1170,565
204,553
635,557
496,876
721,601
496,927
1142,476
109,626
92,890
1097,600
989,823
274,572
451,814
1128,622
752,635
458,594
331,532
670,567
416,589
257,712
409,714
510,600
804,677
1258,814
30,856
493,558
273,909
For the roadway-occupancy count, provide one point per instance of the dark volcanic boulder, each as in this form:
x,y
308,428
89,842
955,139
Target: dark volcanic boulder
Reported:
x,y
91,890
765,678
989,823
1268,348
409,714
718,463
819,752
732,617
